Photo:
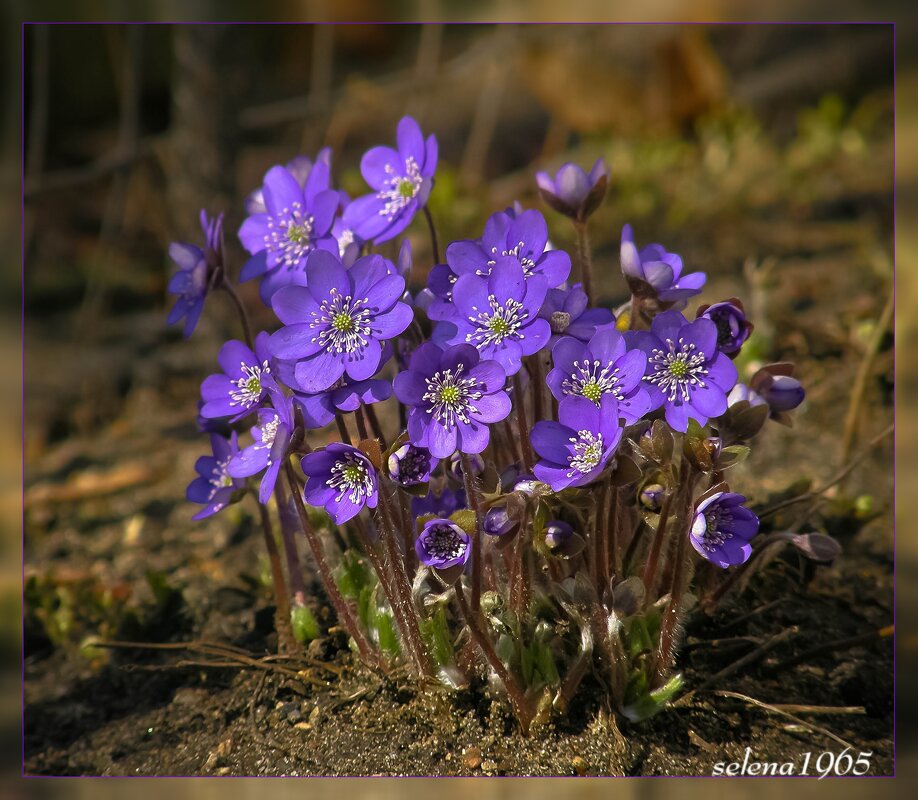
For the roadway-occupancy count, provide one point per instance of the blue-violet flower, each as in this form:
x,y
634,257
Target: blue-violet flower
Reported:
x,y
602,366
453,396
401,181
722,528
575,450
214,487
340,479
339,321
686,373
244,383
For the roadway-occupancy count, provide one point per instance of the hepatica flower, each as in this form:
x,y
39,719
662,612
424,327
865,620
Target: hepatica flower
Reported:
x,y
192,281
299,167
686,373
603,366
568,314
653,271
453,396
272,438
340,479
345,395
519,239
339,321
401,181
296,222
443,544
575,450
214,486
499,315
411,465
244,383
440,505
722,529
773,385
732,326
572,191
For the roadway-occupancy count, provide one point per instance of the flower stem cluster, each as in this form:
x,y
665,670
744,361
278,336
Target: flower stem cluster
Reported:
x,y
511,464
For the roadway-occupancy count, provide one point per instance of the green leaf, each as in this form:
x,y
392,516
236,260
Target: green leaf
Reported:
x,y
435,632
305,626
385,630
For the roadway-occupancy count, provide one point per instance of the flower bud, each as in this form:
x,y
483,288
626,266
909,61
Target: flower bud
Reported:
x,y
783,393
573,192
410,465
732,326
652,496
561,540
455,465
499,522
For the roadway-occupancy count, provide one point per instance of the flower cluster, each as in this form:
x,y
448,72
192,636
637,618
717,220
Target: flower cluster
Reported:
x,y
529,425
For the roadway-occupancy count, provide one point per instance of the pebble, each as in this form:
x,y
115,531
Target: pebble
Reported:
x,y
471,757
488,767
579,765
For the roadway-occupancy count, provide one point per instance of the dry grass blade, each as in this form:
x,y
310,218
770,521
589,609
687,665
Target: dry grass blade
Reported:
x,y
795,719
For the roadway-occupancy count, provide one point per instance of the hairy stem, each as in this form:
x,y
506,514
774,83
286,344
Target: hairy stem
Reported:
x,y
342,607
656,546
288,535
286,642
679,580
433,235
402,587
240,309
585,258
521,422
515,692
474,500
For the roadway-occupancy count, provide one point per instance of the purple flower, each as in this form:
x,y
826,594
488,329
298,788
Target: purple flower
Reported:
x,y
214,487
269,451
575,450
499,522
443,544
340,479
722,529
657,273
568,314
345,395
686,373
452,395
410,465
775,386
299,167
296,222
244,383
440,505
192,281
557,534
499,315
519,239
783,393
651,496
338,322
401,181
732,326
742,393
572,192
454,468
603,366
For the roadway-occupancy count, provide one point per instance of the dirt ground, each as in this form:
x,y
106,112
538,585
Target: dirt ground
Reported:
x,y
112,554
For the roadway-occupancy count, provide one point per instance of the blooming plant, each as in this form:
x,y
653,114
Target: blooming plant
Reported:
x,y
521,483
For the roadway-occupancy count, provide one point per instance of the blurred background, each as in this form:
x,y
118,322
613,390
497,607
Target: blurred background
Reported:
x,y
763,154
